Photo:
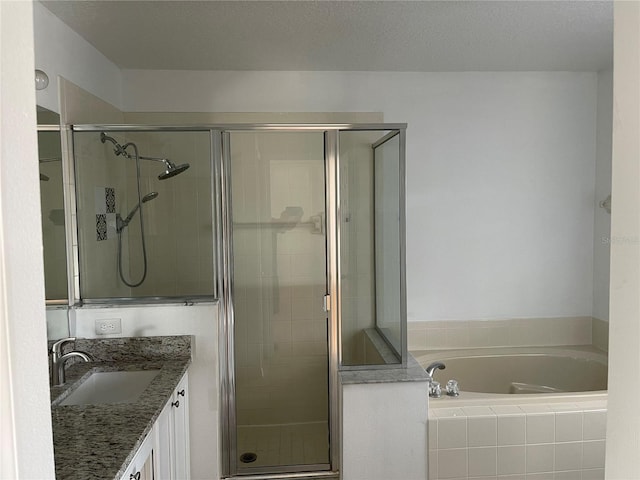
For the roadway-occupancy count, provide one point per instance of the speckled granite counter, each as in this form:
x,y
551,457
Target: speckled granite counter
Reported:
x,y
99,441
413,373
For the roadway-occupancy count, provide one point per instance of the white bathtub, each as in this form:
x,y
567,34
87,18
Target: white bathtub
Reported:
x,y
532,372
489,431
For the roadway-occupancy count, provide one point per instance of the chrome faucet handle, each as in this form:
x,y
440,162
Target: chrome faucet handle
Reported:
x,y
434,389
453,390
56,348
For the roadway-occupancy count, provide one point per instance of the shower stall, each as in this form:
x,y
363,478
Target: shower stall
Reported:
x,y
297,230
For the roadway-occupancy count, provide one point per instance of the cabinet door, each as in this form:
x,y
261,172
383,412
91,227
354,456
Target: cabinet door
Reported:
x,y
180,407
141,467
164,444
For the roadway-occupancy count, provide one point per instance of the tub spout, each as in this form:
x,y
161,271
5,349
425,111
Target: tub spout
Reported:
x,y
433,367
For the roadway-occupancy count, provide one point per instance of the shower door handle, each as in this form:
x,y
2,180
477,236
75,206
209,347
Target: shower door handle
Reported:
x,y
326,303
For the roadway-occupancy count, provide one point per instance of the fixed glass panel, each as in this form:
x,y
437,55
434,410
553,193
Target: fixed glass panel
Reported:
x,y
169,254
387,195
279,280
369,225
52,208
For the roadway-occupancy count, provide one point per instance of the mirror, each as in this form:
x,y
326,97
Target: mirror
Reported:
x,y
52,207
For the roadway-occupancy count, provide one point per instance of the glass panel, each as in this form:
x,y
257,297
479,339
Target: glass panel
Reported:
x,y
176,209
279,256
369,248
52,207
386,159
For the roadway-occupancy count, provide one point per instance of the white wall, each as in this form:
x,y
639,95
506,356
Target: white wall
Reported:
x,y
623,421
61,51
27,445
199,320
602,219
500,174
384,431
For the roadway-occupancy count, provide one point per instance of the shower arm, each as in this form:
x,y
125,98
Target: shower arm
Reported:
x,y
122,150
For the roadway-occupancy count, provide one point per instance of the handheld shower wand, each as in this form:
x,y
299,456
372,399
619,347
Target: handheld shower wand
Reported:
x,y
122,224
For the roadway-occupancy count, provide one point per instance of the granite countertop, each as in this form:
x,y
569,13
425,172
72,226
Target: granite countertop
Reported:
x,y
99,441
412,373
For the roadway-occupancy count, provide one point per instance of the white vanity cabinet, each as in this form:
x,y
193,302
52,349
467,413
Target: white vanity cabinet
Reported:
x,y
142,465
172,461
164,454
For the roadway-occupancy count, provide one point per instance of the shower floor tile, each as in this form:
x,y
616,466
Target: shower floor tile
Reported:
x,y
291,444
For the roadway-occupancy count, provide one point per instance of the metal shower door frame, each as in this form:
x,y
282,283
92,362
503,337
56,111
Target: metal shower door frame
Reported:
x,y
222,177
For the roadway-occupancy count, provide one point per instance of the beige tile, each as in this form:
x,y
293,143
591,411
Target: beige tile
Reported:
x,y
594,425
479,411
447,412
452,463
507,410
540,428
417,339
511,430
568,456
535,408
482,431
595,474
593,454
540,458
452,432
512,477
433,464
511,460
540,476
433,433
568,475
568,426
483,461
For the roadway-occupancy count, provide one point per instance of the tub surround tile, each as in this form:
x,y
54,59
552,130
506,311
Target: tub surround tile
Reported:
x,y
535,408
600,334
593,474
452,463
449,334
448,412
507,410
568,426
540,428
511,430
482,431
511,460
540,476
540,458
568,475
433,434
593,454
433,465
568,456
483,461
452,432
594,425
478,411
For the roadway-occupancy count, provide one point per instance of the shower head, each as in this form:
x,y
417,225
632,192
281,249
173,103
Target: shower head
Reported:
x,y
172,170
121,224
149,196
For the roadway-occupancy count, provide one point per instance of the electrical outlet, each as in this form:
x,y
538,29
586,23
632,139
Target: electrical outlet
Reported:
x,y
108,326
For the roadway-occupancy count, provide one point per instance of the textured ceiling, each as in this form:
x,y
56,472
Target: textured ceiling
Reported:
x,y
346,35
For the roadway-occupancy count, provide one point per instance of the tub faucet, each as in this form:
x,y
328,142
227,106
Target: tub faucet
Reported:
x,y
434,387
58,360
433,367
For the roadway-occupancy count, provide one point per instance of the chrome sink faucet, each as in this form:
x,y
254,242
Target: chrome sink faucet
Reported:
x,y
58,360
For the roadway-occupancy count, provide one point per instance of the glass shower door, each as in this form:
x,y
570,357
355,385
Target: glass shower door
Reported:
x,y
279,281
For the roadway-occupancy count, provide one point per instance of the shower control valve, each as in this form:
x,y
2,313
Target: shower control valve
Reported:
x,y
453,390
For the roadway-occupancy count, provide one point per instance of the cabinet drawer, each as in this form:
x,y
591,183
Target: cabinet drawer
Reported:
x,y
141,467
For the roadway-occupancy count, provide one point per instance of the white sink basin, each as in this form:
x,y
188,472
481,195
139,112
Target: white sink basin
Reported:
x,y
111,387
